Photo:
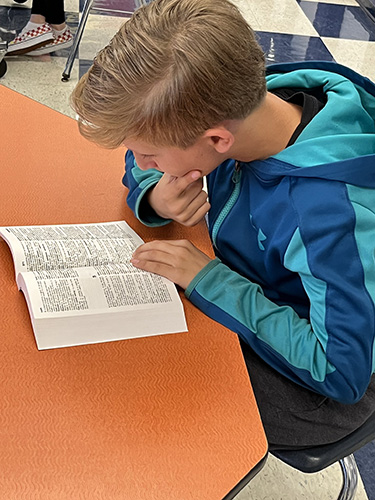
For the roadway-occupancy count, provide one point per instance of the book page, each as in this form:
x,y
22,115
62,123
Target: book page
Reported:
x,y
70,292
43,248
100,304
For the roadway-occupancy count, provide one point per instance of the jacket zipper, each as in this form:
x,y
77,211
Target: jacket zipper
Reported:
x,y
236,177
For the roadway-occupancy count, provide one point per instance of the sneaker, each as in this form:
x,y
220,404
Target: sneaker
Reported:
x,y
62,41
30,39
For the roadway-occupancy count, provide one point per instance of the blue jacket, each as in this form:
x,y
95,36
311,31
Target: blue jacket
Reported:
x,y
294,237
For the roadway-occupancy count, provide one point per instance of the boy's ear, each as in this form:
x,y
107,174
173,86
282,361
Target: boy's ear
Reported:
x,y
220,138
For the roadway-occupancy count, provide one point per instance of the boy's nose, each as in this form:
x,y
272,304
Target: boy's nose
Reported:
x,y
145,164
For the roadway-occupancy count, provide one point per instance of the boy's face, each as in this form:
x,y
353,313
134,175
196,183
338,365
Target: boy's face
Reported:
x,y
174,161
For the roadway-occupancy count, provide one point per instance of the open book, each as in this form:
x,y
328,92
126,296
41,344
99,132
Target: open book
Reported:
x,y
81,288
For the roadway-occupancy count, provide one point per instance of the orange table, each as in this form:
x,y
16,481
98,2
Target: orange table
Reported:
x,y
170,417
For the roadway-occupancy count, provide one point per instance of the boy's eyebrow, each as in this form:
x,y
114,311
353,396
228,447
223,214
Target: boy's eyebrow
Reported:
x,y
143,154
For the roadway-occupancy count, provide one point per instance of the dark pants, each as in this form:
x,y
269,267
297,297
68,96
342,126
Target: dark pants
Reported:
x,y
52,10
294,417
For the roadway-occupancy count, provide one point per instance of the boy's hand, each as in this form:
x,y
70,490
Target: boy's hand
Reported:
x,y
180,198
178,260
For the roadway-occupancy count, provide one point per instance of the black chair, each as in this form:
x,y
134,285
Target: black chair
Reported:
x,y
318,458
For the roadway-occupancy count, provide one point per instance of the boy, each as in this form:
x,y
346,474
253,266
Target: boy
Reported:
x,y
291,208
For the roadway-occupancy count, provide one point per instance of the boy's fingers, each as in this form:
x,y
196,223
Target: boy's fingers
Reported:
x,y
156,267
156,245
194,213
153,255
181,183
199,215
177,260
157,251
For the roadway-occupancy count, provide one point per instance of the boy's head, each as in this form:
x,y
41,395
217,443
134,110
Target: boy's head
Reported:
x,y
174,70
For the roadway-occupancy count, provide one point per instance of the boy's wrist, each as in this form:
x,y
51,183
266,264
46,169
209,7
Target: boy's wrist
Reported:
x,y
145,212
150,200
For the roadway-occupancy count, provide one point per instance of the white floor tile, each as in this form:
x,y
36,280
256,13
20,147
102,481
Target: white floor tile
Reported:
x,y
97,34
356,54
284,16
277,481
40,79
71,5
247,10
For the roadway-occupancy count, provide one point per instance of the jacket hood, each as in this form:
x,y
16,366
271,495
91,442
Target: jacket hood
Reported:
x,y
339,142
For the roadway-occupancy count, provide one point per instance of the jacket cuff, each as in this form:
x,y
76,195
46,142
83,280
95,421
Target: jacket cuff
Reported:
x,y
145,213
202,274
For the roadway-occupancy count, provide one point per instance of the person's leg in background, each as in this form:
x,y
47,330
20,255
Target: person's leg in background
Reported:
x,y
48,11
46,31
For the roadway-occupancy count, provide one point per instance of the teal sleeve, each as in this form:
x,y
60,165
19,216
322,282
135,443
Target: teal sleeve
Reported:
x,y
282,338
139,182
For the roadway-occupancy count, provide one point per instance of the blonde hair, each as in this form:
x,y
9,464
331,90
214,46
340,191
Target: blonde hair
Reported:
x,y
174,70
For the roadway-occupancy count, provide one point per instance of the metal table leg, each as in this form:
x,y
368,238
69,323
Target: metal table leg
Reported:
x,y
77,39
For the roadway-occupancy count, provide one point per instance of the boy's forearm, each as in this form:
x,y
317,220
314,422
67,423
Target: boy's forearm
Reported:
x,y
283,339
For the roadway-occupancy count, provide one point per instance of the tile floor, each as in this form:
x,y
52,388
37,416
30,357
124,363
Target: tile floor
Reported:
x,y
288,30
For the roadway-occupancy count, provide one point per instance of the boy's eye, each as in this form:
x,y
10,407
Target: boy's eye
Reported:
x,y
147,156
